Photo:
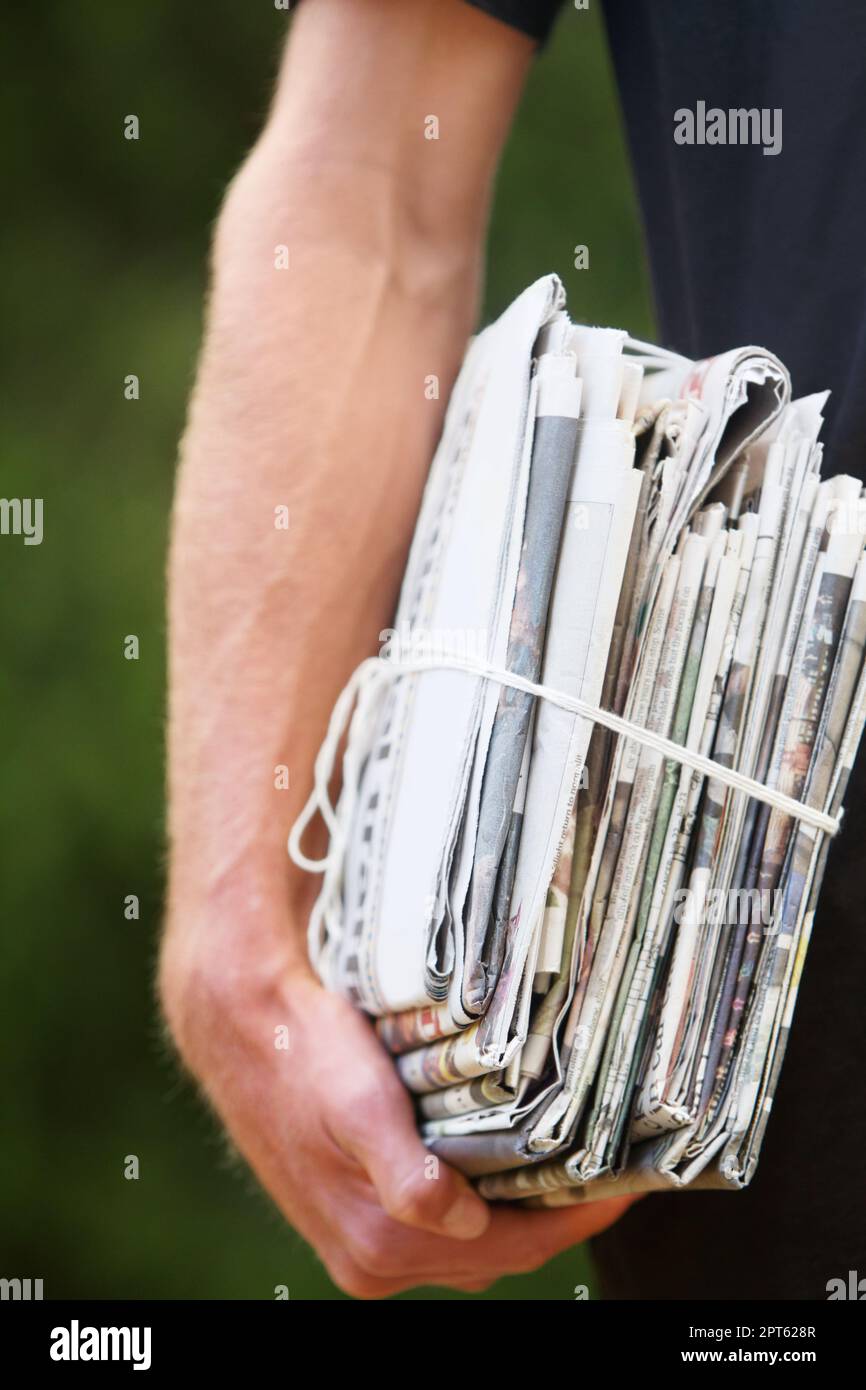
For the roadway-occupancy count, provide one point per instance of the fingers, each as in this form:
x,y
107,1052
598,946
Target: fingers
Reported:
x,y
397,1257
414,1187
357,1282
405,1215
519,1241
375,1256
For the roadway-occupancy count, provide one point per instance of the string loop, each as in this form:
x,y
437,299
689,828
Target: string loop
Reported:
x,y
362,693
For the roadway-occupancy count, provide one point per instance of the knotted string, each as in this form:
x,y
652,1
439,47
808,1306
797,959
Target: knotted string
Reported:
x,y
362,692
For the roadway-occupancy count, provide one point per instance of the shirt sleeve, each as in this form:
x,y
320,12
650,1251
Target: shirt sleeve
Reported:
x,y
532,17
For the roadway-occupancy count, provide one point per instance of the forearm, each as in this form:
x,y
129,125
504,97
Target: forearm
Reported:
x,y
310,397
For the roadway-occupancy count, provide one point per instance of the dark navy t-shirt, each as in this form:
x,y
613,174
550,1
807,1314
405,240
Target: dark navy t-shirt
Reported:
x,y
771,249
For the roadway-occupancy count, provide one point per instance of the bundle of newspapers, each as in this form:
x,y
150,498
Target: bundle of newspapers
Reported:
x,y
591,779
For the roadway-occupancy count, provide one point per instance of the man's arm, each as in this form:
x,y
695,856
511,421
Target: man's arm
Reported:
x,y
310,396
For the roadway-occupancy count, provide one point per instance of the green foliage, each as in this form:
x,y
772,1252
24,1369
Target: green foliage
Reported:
x,y
105,257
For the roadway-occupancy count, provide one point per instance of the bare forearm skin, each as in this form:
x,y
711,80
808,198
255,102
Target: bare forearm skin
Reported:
x,y
310,395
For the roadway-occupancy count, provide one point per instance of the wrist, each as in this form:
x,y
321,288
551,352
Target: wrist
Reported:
x,y
229,948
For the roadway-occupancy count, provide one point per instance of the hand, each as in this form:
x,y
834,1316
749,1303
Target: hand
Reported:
x,y
330,1131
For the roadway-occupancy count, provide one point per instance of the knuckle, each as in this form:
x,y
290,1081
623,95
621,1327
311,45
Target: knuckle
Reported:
x,y
358,1116
414,1202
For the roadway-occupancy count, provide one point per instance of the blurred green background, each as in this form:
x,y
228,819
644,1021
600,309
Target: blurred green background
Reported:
x,y
104,246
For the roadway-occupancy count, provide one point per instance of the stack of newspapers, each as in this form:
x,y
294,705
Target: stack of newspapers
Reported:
x,y
591,779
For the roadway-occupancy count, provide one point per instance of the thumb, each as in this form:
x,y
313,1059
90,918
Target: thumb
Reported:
x,y
413,1185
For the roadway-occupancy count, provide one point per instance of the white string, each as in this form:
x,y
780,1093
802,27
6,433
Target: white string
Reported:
x,y
367,680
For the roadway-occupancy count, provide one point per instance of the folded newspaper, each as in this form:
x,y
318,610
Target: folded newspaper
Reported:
x,y
591,779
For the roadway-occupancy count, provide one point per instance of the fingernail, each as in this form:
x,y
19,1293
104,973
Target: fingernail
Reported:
x,y
468,1218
